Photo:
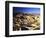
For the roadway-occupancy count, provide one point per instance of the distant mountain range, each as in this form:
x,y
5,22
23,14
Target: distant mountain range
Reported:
x,y
25,13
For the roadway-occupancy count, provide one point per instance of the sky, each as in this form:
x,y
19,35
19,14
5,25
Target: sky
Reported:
x,y
26,10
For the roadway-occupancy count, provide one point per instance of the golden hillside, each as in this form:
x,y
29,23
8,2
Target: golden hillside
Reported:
x,y
31,22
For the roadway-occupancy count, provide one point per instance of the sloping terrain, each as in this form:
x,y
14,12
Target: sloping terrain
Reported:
x,y
26,22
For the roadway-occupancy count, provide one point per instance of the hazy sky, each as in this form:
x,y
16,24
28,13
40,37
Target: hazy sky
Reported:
x,y
26,10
